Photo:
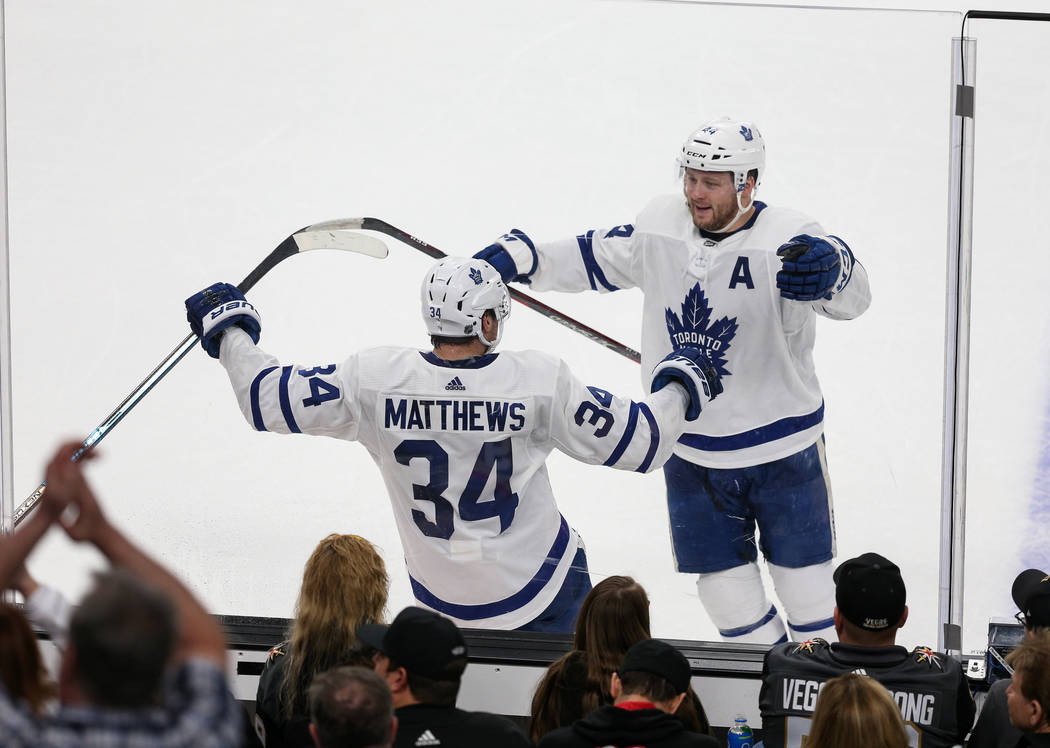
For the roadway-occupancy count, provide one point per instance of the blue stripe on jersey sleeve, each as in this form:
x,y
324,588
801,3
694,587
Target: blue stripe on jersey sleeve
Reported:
x,y
628,435
253,395
654,437
761,435
594,273
507,604
286,405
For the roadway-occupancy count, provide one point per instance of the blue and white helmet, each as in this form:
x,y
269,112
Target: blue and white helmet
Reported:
x,y
457,292
726,145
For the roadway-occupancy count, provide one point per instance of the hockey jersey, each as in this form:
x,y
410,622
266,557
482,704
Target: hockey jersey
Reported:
x,y
462,447
929,688
719,293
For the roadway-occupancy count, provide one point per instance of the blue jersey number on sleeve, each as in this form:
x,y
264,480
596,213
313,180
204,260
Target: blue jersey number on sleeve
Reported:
x,y
503,504
625,231
592,413
320,390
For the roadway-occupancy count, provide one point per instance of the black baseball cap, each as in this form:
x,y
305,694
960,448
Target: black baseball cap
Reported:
x,y
421,641
658,658
870,592
1031,592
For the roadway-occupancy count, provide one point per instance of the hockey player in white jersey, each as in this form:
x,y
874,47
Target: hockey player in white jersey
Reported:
x,y
461,435
744,282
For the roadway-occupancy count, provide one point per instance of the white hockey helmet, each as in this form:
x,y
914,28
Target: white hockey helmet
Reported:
x,y
726,145
457,292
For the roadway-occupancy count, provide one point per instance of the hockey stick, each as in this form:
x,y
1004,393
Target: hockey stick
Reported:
x,y
375,224
327,235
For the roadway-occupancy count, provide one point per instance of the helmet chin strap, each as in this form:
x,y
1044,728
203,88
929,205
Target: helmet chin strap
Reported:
x,y
741,210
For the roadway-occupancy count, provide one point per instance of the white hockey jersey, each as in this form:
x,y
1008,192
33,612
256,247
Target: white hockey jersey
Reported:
x,y
462,447
721,296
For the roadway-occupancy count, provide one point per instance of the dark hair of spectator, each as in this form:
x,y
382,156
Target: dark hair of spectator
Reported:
x,y
351,708
432,691
614,615
344,586
1032,660
123,634
21,666
651,686
854,709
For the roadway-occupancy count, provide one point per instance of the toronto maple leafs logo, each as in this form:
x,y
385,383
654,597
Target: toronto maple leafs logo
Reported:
x,y
695,328
475,275
746,133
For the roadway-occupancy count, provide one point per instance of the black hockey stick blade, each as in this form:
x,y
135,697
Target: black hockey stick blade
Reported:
x,y
327,235
375,224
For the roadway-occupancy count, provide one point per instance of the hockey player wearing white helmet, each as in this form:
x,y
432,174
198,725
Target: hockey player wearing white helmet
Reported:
x,y
744,282
461,434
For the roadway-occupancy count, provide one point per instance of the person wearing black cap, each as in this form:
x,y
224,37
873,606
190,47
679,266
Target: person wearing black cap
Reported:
x,y
1031,594
422,656
647,689
870,606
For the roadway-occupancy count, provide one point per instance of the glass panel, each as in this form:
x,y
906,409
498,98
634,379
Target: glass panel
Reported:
x,y
1008,506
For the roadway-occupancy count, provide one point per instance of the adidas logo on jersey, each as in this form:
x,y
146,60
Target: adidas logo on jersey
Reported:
x,y
455,384
427,738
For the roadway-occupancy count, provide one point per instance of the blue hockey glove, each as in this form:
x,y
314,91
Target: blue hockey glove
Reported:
x,y
513,255
814,267
691,368
217,307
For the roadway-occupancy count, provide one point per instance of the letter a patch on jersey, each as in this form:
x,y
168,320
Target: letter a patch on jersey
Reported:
x,y
695,328
741,274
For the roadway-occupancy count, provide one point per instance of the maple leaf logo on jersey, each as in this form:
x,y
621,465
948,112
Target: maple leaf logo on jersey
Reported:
x,y
925,654
695,328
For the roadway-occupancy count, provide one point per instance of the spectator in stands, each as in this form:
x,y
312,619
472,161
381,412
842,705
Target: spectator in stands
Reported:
x,y
22,668
614,616
422,656
135,621
344,586
1028,696
929,688
351,707
649,686
1031,593
854,710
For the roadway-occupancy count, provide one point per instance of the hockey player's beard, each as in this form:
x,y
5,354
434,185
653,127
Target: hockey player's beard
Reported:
x,y
715,219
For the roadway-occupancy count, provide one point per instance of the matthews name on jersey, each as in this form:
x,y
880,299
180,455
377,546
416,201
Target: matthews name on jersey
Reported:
x,y
462,447
929,688
720,296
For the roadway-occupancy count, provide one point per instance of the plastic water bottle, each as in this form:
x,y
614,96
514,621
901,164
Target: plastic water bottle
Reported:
x,y
740,734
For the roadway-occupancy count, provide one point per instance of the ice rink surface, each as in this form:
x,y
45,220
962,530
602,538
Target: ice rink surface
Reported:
x,y
156,148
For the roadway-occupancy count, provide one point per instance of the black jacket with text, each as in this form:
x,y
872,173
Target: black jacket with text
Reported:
x,y
929,688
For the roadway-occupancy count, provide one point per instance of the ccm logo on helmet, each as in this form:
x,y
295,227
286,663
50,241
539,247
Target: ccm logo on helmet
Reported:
x,y
230,307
